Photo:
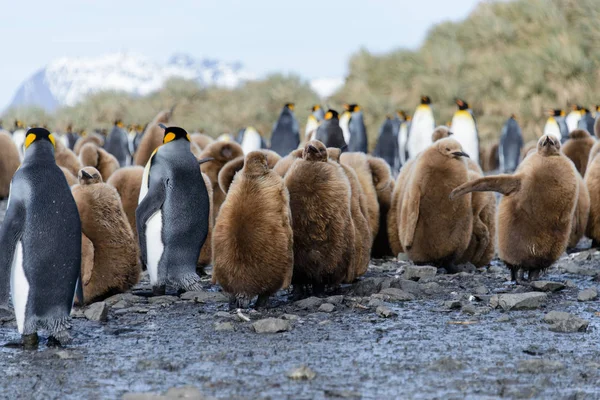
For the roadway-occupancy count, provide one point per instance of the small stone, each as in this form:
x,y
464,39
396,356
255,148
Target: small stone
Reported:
x,y
325,322
143,396
385,312
469,309
224,327
395,294
587,294
452,304
97,312
416,272
547,286
309,303
496,270
540,366
290,317
223,314
163,300
503,318
302,373
119,305
127,297
480,290
75,313
271,325
402,257
406,285
446,364
326,307
570,324
185,392
204,297
367,286
572,268
519,301
375,302
68,355
582,256
556,316
335,299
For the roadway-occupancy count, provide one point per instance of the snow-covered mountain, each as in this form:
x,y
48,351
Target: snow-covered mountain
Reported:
x,y
66,81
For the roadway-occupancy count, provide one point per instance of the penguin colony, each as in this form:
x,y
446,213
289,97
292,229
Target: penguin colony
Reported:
x,y
308,211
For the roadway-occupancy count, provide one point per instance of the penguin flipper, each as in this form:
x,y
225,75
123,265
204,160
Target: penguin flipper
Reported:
x,y
409,215
10,233
149,205
504,184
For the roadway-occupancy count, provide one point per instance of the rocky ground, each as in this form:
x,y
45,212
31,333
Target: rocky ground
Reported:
x,y
401,331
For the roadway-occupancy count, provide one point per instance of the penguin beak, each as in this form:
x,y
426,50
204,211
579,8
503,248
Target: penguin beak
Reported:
x,y
547,142
85,175
162,126
313,149
460,154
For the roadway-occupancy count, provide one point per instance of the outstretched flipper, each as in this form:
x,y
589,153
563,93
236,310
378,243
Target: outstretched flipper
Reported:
x,y
409,215
11,231
505,184
149,205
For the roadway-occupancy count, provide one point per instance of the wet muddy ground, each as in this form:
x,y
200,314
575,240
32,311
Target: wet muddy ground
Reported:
x,y
442,336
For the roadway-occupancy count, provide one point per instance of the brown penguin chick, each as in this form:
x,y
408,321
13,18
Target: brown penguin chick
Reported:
x,y
321,219
103,221
201,140
128,182
66,158
442,132
221,153
581,216
96,157
94,138
535,214
492,158
359,212
152,138
286,162
252,238
592,182
71,180
205,257
230,169
384,187
578,148
360,164
395,207
483,237
528,147
432,228
9,162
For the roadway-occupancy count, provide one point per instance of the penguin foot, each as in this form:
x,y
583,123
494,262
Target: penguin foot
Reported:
x,y
30,342
239,301
59,339
533,275
262,301
298,292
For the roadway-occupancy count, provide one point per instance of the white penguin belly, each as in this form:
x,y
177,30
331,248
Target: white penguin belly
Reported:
x,y
421,130
465,132
154,245
251,141
344,122
572,120
552,129
19,287
402,136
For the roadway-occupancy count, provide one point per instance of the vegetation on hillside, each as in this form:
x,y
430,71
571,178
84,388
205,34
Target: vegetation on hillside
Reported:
x,y
516,57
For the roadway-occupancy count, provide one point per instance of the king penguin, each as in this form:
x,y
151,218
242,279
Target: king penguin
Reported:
x,y
556,125
312,123
285,137
511,142
250,140
573,118
403,129
172,214
358,141
421,128
464,128
587,121
40,243
117,144
329,132
387,144
72,137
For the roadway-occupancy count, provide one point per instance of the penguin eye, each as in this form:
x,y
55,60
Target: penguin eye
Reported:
x,y
447,149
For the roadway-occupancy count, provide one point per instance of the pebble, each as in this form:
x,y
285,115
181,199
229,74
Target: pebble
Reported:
x,y
163,300
547,286
327,307
309,303
402,257
587,294
385,312
205,297
452,304
563,322
572,268
271,325
375,302
367,287
224,327
302,373
290,317
127,297
503,318
335,299
519,301
417,272
222,314
540,366
395,294
120,305
97,312
185,392
75,313
480,290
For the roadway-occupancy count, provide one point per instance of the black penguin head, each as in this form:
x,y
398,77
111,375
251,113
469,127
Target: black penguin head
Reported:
x,y
174,133
462,105
289,106
119,123
89,176
401,114
557,112
316,107
425,100
37,135
351,107
331,114
576,107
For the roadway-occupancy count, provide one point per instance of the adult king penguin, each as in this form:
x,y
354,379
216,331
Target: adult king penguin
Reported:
x,y
556,125
329,132
172,214
117,144
511,142
249,139
421,127
573,118
587,121
464,128
40,243
404,123
316,116
353,126
286,133
387,144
